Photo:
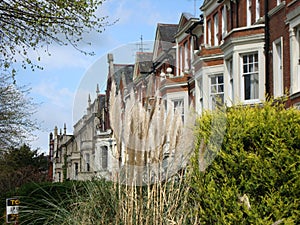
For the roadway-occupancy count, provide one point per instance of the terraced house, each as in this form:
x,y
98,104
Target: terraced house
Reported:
x,y
236,52
250,49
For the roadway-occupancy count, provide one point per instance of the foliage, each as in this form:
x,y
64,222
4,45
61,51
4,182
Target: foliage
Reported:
x,y
29,25
21,165
71,202
102,202
16,108
255,177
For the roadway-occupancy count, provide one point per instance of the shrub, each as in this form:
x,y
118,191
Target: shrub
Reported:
x,y
255,177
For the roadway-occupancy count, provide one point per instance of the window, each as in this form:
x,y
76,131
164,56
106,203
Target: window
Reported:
x,y
224,21
297,52
249,4
59,176
216,29
257,13
180,60
230,73
250,76
186,56
178,105
277,69
200,94
87,162
297,105
104,157
192,49
295,59
76,169
209,33
216,91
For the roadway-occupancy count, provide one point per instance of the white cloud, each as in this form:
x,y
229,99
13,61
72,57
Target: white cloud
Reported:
x,y
60,82
55,110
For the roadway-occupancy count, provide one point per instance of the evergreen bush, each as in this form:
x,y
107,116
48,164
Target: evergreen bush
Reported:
x,y
254,178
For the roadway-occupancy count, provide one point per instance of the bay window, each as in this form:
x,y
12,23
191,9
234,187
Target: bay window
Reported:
x,y
250,76
216,91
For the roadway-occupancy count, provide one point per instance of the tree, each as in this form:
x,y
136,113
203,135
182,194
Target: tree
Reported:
x,y
16,108
21,165
32,24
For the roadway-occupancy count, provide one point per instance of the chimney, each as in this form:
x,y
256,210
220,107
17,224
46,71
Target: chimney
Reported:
x,y
55,131
65,129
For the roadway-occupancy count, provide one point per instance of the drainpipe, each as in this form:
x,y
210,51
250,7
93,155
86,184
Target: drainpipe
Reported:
x,y
190,31
237,13
231,15
267,46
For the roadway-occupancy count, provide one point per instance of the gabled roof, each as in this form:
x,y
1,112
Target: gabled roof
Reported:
x,y
143,65
167,31
144,61
187,21
164,38
185,17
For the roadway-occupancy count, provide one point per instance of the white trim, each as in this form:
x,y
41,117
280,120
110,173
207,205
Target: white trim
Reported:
x,y
278,86
293,18
209,37
257,9
249,73
248,12
224,21
216,29
277,8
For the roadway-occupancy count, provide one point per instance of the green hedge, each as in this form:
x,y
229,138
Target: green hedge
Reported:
x,y
255,177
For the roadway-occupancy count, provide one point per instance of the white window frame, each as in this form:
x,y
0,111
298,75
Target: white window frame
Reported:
x,y
298,43
255,89
293,18
180,60
224,21
229,64
178,104
186,56
216,29
249,16
209,32
257,10
200,85
216,90
278,87
192,49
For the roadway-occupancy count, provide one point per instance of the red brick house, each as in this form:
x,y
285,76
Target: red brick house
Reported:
x,y
232,65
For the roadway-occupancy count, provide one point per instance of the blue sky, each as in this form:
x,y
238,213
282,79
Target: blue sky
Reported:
x,y
62,87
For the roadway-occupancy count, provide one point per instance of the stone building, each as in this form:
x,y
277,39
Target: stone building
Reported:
x,y
89,152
